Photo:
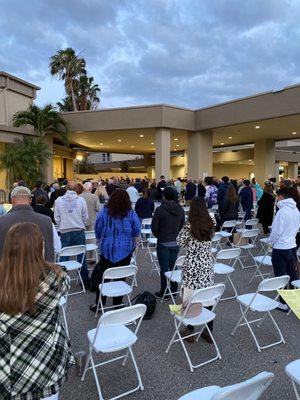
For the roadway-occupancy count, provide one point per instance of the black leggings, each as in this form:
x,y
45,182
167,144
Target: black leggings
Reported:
x,y
105,264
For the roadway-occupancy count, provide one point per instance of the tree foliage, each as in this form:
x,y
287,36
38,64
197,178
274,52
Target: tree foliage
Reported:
x,y
26,159
82,93
44,120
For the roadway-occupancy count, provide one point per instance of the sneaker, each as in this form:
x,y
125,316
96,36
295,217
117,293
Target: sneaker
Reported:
x,y
186,332
282,307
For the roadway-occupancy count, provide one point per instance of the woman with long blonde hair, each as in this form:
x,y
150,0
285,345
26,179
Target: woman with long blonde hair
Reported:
x,y
35,350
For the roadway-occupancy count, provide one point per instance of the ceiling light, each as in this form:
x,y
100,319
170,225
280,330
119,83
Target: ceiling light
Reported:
x,y
141,135
257,126
119,140
222,144
177,145
176,139
229,137
132,147
152,143
249,160
294,133
101,144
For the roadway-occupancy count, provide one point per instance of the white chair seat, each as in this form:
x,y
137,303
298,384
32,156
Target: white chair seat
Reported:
x,y
203,318
296,283
146,231
293,371
70,265
112,338
91,247
176,275
154,254
225,233
221,269
264,240
213,250
264,260
246,246
115,288
261,303
201,394
152,240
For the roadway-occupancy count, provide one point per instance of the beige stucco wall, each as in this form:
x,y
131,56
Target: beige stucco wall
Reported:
x,y
234,171
2,173
15,102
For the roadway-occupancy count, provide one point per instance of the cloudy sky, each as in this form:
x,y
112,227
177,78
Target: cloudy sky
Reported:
x,y
190,53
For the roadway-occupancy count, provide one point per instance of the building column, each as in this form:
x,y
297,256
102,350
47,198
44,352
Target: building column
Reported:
x,y
185,158
3,176
162,153
276,172
292,170
199,154
264,160
49,168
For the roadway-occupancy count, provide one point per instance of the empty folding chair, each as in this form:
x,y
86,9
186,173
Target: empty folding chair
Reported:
x,y
262,261
91,247
145,231
112,335
251,389
116,288
175,277
246,242
264,242
260,303
73,265
293,371
251,223
216,239
296,284
224,269
204,296
241,219
227,230
151,247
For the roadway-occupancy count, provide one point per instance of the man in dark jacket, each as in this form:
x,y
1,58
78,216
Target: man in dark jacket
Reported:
x,y
41,208
160,187
222,191
22,212
168,219
246,197
190,191
38,191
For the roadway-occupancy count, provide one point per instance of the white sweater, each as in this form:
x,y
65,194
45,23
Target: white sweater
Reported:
x,y
70,212
285,226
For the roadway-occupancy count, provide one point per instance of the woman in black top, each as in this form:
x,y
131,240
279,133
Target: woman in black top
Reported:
x,y
144,207
265,211
230,206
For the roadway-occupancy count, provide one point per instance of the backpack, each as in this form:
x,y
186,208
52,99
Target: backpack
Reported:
x,y
149,300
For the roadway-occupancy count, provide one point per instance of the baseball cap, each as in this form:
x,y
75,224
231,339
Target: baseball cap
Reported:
x,y
20,191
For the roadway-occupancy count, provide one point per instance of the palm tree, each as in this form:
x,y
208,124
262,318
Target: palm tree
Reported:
x,y
65,105
25,158
68,66
43,120
87,93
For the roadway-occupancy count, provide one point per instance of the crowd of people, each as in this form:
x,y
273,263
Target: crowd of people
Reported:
x,y
45,219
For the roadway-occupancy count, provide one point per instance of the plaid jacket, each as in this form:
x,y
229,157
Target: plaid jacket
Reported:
x,y
34,349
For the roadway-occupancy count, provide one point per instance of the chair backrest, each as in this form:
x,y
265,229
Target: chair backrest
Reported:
x,y
90,235
146,222
209,294
250,233
250,389
72,251
217,237
179,262
251,222
229,224
120,272
228,254
271,284
123,316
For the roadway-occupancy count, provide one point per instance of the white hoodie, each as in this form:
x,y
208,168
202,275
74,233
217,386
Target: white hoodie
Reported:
x,y
285,226
70,212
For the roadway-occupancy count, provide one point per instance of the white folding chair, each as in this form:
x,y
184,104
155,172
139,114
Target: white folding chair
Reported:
x,y
112,335
257,302
91,247
207,295
252,223
73,265
293,371
116,288
264,242
216,239
249,235
264,260
173,276
133,261
251,389
224,269
151,247
227,230
145,231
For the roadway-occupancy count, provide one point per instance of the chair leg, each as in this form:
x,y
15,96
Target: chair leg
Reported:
x,y
87,363
136,370
295,390
96,379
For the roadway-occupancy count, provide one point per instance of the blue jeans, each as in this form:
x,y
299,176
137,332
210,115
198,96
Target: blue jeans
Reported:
x,y
285,263
166,257
72,239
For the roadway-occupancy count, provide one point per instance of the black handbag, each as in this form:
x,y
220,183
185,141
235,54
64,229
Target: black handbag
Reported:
x,y
149,300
